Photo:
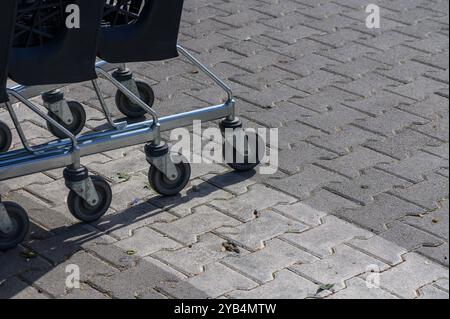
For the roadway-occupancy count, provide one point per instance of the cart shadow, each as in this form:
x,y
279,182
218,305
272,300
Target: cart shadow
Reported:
x,y
44,256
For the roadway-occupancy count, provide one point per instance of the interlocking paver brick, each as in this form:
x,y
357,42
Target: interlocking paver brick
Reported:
x,y
352,164
438,254
436,222
380,248
286,285
343,140
410,237
301,212
214,282
146,241
415,167
332,233
14,288
54,281
344,264
262,264
197,194
328,202
311,178
432,292
204,219
293,163
265,226
427,193
191,260
383,210
403,144
258,198
412,274
390,122
357,288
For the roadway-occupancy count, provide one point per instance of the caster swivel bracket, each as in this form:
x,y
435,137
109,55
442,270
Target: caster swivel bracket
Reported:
x,y
159,156
55,103
85,189
6,224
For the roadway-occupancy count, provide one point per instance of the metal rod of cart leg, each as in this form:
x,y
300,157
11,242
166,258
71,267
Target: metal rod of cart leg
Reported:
x,y
206,70
75,149
106,110
19,129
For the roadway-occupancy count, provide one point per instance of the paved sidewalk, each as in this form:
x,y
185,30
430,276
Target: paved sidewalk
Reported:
x,y
361,197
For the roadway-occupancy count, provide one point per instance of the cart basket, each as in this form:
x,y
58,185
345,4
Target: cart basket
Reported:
x,y
152,37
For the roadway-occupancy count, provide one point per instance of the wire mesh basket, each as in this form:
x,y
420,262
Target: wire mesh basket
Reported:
x,y
39,21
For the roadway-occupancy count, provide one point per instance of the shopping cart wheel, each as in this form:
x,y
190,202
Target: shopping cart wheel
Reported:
x,y
128,108
85,212
21,224
79,120
253,149
5,137
164,186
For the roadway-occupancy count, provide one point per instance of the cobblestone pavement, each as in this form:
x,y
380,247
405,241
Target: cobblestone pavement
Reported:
x,y
362,190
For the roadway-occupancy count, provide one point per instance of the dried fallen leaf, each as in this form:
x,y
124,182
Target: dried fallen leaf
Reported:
x,y
131,252
231,247
324,288
28,254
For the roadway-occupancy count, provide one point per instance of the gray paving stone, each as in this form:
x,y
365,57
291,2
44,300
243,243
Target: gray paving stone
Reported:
x,y
332,233
214,282
432,292
410,237
352,164
438,254
404,144
427,193
356,288
378,214
390,122
54,281
301,212
191,260
258,198
292,162
380,248
187,229
14,288
435,222
286,285
266,225
335,269
329,202
262,264
415,272
344,140
368,185
416,167
197,193
146,241
133,282
310,179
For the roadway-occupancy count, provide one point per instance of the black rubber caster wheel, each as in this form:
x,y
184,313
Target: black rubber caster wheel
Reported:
x,y
252,152
5,137
79,121
164,186
131,110
21,224
83,211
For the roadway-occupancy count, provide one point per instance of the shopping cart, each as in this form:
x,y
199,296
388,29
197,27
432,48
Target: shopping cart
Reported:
x,y
151,36
39,21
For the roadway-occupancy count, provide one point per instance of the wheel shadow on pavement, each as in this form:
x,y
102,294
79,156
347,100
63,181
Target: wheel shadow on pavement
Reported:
x,y
41,261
